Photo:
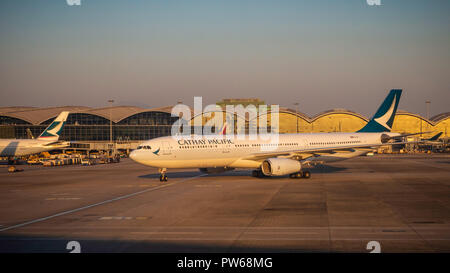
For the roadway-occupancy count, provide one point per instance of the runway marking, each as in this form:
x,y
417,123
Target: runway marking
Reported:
x,y
122,218
273,239
280,233
61,198
165,232
132,186
96,204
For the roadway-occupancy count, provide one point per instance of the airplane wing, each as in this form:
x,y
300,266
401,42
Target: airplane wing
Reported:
x,y
405,135
57,143
312,151
435,137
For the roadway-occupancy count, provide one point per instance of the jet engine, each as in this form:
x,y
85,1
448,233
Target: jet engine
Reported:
x,y
280,166
385,138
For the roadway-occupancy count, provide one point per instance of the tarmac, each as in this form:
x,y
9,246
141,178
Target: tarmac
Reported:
x,y
402,202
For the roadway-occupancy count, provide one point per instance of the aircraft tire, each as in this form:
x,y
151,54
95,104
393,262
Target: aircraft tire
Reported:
x,y
163,178
306,174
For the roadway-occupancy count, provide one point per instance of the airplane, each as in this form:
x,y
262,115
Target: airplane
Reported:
x,y
433,140
48,140
292,152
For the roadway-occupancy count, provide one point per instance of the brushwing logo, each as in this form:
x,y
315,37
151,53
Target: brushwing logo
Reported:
x,y
387,116
54,129
156,152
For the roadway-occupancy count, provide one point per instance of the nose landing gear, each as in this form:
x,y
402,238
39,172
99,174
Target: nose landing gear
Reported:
x,y
163,176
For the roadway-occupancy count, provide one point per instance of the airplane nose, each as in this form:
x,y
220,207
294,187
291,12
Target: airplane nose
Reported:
x,y
133,155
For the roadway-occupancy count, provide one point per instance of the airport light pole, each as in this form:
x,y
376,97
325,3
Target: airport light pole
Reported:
x,y
296,117
428,108
110,124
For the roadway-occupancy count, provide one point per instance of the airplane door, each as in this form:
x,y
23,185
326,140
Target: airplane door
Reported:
x,y
305,143
166,148
226,149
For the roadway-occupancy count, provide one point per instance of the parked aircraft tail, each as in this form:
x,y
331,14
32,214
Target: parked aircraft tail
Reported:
x,y
384,118
53,131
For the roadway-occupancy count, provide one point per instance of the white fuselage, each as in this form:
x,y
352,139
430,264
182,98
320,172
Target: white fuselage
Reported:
x,y
22,147
216,151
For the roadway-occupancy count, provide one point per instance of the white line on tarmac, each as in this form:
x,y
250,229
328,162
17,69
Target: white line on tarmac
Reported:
x,y
96,204
166,232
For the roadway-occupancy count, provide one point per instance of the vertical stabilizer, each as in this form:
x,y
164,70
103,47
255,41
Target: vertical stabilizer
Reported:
x,y
53,131
384,118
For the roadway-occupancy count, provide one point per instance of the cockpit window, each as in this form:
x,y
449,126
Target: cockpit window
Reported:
x,y
146,147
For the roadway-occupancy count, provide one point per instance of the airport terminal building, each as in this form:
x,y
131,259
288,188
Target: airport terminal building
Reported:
x,y
92,128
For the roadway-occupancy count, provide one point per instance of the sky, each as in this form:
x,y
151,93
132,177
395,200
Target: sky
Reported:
x,y
323,54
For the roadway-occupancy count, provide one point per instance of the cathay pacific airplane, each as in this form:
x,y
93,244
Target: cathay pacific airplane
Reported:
x,y
433,140
288,156
48,140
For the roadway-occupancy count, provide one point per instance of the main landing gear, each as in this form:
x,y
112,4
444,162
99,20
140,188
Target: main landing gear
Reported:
x,y
257,173
305,174
12,161
163,176
301,174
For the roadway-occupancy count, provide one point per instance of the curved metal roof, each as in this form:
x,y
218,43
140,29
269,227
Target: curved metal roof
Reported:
x,y
324,113
36,115
339,111
402,112
15,108
440,117
116,113
294,112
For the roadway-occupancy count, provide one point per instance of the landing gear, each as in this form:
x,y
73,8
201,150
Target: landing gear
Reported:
x,y
257,173
12,161
297,175
163,176
305,174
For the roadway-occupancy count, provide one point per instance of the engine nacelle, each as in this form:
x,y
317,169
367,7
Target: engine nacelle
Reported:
x,y
280,166
215,170
385,138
